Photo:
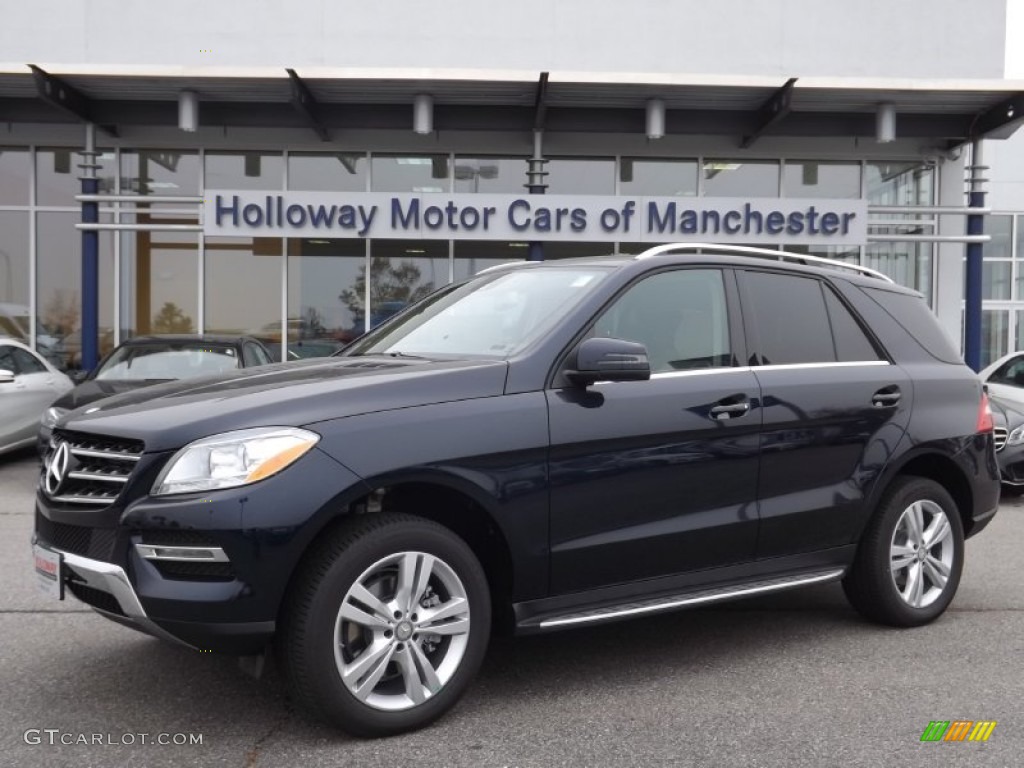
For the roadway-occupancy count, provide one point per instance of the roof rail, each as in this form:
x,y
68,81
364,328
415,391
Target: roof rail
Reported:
x,y
746,250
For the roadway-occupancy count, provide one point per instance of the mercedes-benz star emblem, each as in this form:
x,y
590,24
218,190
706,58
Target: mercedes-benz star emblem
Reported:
x,y
57,468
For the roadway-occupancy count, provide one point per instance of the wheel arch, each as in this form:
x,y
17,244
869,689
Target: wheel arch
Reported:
x,y
452,502
940,468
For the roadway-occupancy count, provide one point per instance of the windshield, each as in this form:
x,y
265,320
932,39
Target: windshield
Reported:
x,y
164,362
493,316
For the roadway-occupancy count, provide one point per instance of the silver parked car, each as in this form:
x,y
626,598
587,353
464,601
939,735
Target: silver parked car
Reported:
x,y
28,384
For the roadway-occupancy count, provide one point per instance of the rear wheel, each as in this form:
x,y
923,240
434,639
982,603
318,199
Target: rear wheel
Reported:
x,y
908,565
387,625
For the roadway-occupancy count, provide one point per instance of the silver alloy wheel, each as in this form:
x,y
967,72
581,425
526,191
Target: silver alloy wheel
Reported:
x,y
921,553
402,631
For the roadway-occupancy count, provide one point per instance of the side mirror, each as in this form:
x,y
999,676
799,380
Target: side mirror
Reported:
x,y
78,377
6,377
602,359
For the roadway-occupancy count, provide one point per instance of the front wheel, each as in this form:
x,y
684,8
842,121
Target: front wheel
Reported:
x,y
386,626
908,564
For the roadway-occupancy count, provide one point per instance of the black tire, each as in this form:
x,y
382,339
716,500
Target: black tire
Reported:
x,y
870,585
306,641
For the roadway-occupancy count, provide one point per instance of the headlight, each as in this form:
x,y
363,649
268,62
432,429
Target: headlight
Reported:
x,y
52,415
1016,437
233,459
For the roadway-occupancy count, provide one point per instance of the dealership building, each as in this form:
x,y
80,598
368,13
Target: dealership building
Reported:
x,y
300,171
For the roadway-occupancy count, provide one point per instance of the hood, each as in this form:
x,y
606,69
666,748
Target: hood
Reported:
x,y
301,393
90,391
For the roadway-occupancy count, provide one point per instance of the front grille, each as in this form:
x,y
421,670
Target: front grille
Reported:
x,y
1000,434
97,598
95,543
185,571
99,468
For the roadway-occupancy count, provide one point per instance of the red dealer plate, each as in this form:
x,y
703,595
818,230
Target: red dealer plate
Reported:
x,y
48,572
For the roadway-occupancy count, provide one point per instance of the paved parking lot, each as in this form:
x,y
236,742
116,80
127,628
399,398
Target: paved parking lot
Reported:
x,y
792,680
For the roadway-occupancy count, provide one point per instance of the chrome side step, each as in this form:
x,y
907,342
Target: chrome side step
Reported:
x,y
654,605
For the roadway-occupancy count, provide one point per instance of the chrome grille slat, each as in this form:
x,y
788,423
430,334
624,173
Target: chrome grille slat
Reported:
x,y
1000,434
107,478
102,500
92,454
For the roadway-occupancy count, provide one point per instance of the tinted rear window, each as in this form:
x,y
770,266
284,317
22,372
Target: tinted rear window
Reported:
x,y
913,315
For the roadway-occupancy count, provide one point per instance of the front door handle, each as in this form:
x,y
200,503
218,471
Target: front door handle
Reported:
x,y
730,408
887,397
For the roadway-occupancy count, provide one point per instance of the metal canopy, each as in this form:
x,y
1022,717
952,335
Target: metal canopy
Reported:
x,y
745,109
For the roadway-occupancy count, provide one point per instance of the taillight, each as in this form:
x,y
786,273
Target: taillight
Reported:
x,y
985,423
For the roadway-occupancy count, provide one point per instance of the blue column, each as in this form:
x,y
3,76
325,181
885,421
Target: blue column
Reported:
x,y
974,271
90,276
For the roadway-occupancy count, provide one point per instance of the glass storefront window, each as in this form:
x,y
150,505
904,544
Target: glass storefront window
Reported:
x,y
57,175
580,176
473,255
666,178
741,178
243,286
401,272
999,228
995,280
14,259
995,331
160,275
909,264
323,278
409,173
327,171
494,175
59,290
563,250
899,183
820,179
159,172
244,170
15,170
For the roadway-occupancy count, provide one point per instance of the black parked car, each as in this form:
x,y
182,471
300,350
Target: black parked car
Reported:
x,y
1009,439
545,445
146,360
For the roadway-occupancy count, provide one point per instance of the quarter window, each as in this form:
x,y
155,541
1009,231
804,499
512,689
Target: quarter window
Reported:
x,y
852,343
680,316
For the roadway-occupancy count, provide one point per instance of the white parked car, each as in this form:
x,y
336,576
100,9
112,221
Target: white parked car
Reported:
x,y
1005,377
28,384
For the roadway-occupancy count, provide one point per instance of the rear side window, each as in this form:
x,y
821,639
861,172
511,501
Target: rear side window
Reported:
x,y
913,315
791,319
852,343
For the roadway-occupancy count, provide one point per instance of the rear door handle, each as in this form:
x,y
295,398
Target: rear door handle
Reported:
x,y
887,397
730,408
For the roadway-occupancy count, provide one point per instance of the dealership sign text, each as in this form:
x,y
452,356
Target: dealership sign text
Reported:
x,y
438,216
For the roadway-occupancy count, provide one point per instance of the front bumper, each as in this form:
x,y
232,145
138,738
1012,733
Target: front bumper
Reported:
x,y
108,579
225,607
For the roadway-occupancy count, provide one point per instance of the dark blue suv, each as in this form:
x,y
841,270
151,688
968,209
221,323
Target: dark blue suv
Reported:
x,y
545,445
